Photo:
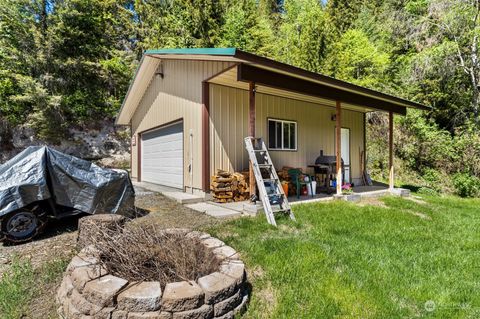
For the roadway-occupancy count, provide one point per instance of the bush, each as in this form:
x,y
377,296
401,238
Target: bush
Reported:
x,y
432,179
466,185
428,191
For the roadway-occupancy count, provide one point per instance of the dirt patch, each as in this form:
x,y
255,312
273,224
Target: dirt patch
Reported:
x,y
43,305
418,214
372,201
57,242
257,272
166,213
416,200
268,300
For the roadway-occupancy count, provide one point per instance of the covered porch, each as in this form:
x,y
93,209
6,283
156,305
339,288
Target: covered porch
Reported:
x,y
265,102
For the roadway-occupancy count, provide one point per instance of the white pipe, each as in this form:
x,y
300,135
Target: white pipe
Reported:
x,y
191,160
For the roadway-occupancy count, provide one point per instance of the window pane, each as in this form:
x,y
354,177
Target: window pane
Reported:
x,y
286,136
293,136
271,134
278,140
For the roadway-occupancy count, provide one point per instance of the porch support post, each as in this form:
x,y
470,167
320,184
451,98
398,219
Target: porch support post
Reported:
x,y
205,137
390,151
338,146
251,132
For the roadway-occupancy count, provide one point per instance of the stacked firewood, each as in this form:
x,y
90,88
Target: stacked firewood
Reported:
x,y
283,174
229,187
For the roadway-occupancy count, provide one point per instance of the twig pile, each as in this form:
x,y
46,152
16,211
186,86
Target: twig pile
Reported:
x,y
149,254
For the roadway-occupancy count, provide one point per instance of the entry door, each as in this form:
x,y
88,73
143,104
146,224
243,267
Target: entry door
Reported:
x,y
345,153
162,156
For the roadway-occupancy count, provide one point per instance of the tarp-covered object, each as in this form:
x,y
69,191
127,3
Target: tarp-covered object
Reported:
x,y
40,173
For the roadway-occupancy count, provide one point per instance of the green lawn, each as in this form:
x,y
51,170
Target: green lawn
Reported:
x,y
343,260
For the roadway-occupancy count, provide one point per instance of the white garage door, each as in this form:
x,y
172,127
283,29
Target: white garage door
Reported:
x,y
162,156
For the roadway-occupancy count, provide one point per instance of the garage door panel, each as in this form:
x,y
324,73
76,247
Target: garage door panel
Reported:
x,y
162,156
166,166
167,172
165,144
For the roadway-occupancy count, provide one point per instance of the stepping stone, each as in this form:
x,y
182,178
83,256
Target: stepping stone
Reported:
x,y
214,210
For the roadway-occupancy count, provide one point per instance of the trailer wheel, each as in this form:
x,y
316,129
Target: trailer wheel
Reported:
x,y
23,224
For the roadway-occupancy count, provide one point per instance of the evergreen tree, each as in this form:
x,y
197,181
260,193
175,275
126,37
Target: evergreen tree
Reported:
x,y
355,59
304,35
179,23
63,62
248,28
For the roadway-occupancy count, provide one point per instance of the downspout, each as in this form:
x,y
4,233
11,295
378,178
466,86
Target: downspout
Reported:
x,y
190,166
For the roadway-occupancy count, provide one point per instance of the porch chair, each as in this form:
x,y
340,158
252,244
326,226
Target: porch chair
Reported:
x,y
295,175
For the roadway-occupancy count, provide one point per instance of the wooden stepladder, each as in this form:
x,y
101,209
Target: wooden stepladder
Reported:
x,y
270,190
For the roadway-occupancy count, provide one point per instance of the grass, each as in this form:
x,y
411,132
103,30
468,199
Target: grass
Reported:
x,y
23,289
341,260
387,259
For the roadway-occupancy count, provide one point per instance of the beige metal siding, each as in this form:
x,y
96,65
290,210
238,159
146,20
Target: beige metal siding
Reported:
x,y
177,96
229,125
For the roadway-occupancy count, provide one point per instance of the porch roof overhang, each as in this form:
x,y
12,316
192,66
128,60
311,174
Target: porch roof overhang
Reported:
x,y
271,77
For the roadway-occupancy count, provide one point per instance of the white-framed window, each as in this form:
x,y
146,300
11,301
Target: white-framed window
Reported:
x,y
282,135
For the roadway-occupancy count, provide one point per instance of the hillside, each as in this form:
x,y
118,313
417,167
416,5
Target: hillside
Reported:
x,y
65,67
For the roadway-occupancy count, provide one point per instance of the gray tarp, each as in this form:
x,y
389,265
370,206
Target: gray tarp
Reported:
x,y
40,173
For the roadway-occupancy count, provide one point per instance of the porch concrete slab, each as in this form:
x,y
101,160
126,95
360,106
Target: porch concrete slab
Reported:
x,y
184,198
214,210
375,193
247,208
237,206
173,193
199,207
400,192
154,187
252,209
311,200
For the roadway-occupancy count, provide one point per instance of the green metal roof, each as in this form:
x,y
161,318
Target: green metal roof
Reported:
x,y
199,51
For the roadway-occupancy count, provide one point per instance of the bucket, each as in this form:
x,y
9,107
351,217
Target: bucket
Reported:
x,y
313,189
285,188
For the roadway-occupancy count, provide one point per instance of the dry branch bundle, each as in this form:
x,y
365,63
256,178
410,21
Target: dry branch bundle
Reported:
x,y
150,254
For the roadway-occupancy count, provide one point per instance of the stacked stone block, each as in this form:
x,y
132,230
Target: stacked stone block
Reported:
x,y
88,291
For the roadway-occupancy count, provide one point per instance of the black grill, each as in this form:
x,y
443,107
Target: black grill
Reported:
x,y
327,160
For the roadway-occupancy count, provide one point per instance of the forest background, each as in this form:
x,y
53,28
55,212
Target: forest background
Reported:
x,y
67,64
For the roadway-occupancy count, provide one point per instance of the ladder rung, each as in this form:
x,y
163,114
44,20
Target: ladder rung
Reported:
x,y
274,194
264,165
276,199
270,180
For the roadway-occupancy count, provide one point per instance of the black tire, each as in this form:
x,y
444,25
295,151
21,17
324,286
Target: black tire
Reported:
x,y
24,224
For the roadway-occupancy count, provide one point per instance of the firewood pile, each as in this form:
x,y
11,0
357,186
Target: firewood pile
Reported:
x,y
229,187
283,174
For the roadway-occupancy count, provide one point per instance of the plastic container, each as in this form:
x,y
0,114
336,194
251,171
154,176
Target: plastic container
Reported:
x,y
285,188
312,190
304,190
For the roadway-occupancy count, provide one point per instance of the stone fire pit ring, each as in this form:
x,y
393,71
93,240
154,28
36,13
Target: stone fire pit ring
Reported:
x,y
89,291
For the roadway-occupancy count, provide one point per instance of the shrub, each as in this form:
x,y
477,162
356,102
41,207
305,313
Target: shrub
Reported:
x,y
466,185
427,191
432,179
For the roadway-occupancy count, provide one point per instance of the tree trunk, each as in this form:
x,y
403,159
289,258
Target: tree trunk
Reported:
x,y
475,104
